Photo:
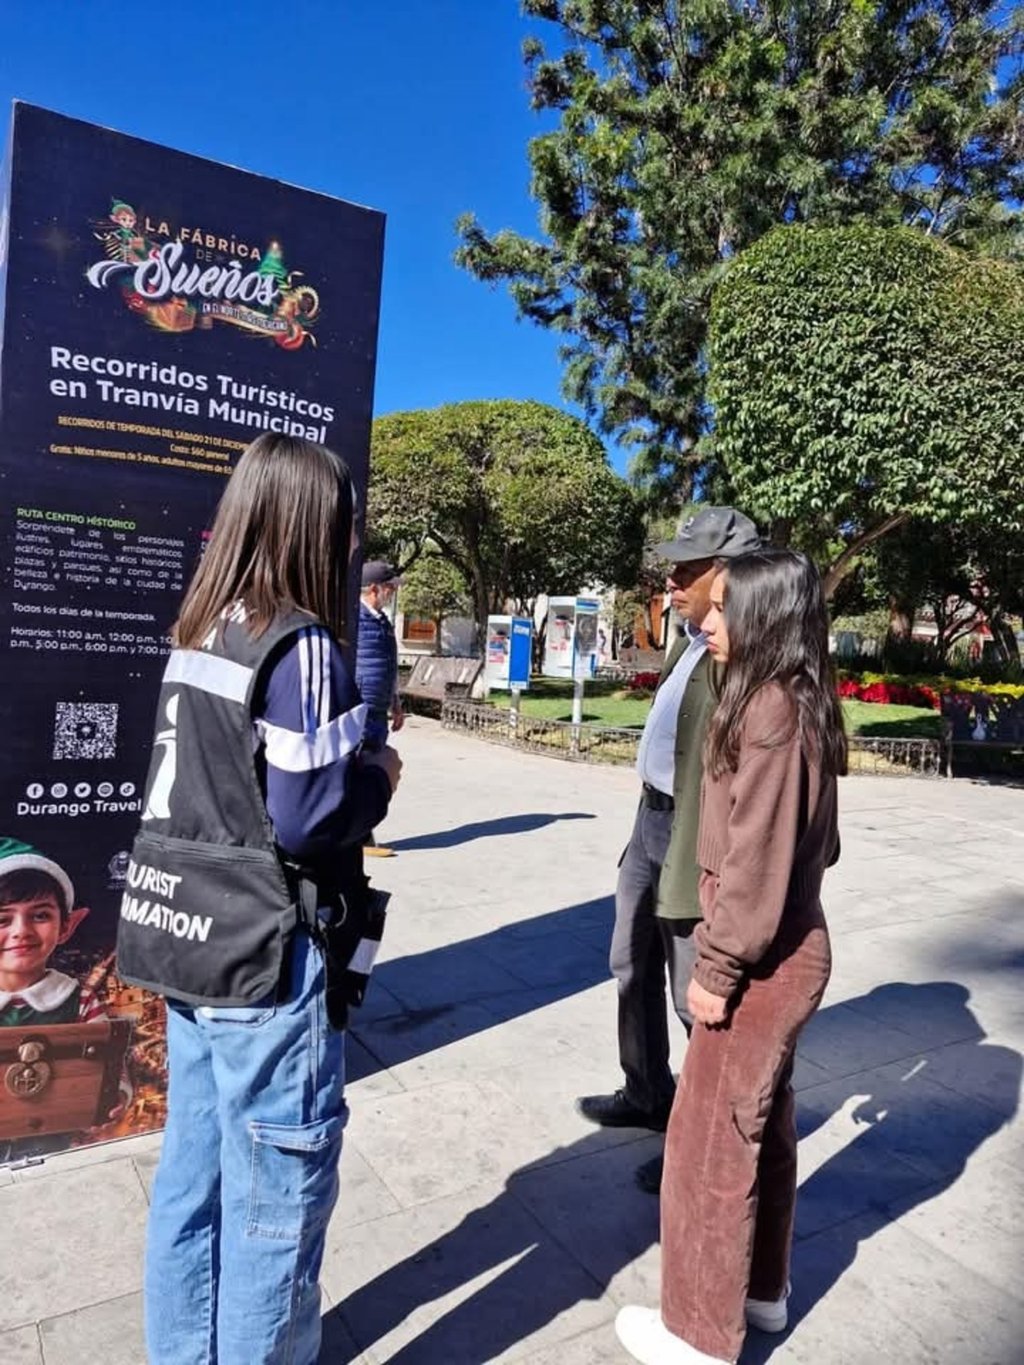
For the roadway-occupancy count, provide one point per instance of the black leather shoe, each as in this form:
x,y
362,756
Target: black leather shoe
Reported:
x,y
618,1111
648,1176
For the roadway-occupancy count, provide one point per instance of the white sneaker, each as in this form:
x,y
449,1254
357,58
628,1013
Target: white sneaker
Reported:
x,y
769,1315
648,1340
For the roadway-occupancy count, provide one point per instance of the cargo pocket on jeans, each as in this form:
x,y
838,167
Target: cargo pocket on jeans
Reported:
x,y
294,1176
243,1016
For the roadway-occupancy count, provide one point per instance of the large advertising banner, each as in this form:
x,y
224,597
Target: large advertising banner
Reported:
x,y
158,312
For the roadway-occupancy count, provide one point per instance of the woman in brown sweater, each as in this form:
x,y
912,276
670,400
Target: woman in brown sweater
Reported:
x,y
768,831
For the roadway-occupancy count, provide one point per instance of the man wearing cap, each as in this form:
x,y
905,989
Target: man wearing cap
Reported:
x,y
377,660
656,907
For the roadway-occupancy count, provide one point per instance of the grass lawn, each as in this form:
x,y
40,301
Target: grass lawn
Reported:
x,y
605,703
891,722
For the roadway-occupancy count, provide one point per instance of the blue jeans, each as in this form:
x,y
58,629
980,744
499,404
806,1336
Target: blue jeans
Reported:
x,y
247,1179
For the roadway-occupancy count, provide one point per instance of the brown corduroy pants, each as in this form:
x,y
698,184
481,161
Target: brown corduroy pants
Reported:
x,y
729,1187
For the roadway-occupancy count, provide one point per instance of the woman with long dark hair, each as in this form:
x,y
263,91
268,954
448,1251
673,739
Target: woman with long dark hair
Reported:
x,y
258,799
768,830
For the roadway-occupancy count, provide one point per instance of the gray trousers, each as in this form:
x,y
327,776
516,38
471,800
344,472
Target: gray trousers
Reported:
x,y
643,947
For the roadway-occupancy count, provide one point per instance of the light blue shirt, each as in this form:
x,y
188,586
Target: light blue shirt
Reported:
x,y
656,756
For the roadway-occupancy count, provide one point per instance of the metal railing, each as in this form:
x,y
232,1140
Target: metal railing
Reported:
x,y
584,743
900,757
590,743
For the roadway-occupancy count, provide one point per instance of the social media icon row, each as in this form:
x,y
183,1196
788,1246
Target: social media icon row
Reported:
x,y
35,790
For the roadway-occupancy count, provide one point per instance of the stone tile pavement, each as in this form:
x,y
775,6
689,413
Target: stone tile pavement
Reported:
x,y
481,1219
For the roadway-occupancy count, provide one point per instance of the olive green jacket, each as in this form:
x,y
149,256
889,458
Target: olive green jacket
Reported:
x,y
677,886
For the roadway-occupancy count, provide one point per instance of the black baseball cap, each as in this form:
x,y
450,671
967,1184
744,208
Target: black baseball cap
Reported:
x,y
713,533
379,571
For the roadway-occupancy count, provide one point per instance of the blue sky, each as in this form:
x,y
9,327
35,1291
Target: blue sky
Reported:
x,y
415,107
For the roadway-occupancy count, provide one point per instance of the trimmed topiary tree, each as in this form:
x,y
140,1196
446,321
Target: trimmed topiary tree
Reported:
x,y
863,376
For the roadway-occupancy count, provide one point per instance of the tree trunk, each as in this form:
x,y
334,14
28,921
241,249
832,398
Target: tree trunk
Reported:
x,y
539,637
1002,633
471,569
481,605
780,531
901,618
943,642
842,566
649,623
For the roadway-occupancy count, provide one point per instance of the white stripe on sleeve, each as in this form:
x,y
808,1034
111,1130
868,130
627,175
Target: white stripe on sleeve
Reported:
x,y
325,682
291,752
314,648
209,673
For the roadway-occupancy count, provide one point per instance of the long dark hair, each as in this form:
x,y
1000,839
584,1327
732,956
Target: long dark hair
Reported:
x,y
777,623
280,540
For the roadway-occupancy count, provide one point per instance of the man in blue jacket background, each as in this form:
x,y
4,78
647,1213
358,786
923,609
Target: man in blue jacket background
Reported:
x,y
377,660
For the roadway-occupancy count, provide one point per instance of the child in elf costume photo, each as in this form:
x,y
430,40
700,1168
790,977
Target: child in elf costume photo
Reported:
x,y
37,915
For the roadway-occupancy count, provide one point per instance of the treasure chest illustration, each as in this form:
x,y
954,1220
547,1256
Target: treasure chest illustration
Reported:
x,y
60,1078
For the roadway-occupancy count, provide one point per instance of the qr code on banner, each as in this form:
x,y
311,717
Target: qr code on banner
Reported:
x,y
85,729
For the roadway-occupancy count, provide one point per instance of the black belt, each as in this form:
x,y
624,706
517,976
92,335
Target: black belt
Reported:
x,y
656,800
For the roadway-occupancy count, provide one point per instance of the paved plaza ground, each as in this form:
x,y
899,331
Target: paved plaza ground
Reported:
x,y
481,1219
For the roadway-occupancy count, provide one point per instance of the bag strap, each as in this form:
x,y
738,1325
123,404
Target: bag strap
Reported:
x,y
305,888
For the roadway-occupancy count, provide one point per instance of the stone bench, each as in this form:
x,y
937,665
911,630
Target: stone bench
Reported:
x,y
984,721
435,677
642,660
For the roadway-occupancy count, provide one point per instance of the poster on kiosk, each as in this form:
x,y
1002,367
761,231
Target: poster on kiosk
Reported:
x,y
570,641
509,652
158,312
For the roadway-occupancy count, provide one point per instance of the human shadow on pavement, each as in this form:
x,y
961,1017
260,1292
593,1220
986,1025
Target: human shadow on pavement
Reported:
x,y
584,1190
424,1001
920,1117
563,1228
485,829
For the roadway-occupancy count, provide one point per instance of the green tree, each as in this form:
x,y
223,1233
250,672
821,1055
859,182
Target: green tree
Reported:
x,y
650,580
686,129
1001,594
518,496
921,565
433,588
964,574
866,376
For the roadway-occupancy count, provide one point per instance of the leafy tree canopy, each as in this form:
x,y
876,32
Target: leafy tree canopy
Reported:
x,y
686,129
518,496
864,376
961,572
434,588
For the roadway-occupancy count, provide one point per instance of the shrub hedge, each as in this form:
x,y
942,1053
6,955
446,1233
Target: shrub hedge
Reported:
x,y
917,691
890,688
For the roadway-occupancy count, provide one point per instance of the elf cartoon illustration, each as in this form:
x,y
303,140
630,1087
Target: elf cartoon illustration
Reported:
x,y
129,244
